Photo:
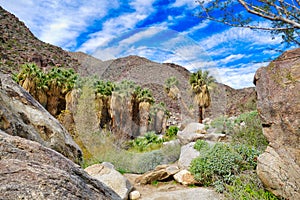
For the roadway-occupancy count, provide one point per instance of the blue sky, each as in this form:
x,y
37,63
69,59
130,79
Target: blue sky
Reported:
x,y
160,30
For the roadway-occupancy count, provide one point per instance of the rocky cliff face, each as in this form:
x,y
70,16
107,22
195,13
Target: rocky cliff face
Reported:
x,y
278,87
31,171
21,115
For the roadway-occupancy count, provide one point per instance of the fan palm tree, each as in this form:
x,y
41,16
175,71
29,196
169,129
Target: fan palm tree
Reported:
x,y
200,81
171,87
103,91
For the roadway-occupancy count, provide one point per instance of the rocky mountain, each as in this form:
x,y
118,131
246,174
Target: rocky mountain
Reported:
x,y
18,45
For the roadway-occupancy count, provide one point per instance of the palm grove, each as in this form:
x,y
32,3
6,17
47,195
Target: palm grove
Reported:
x,y
53,90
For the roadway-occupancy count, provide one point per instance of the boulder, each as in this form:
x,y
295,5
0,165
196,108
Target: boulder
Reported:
x,y
134,195
161,172
278,87
106,174
31,171
21,115
191,133
187,154
185,177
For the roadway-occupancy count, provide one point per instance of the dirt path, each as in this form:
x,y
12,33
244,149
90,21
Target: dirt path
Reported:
x,y
172,191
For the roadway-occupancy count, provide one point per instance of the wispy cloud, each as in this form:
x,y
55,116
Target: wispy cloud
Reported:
x,y
117,26
53,21
189,3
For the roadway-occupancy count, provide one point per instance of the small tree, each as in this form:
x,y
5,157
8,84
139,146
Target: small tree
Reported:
x,y
283,15
200,81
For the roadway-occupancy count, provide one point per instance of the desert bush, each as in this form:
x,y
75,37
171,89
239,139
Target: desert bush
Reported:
x,y
247,186
134,162
217,163
171,132
244,129
201,145
150,141
220,124
247,129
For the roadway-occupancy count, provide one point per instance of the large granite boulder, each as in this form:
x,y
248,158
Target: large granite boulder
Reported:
x,y
21,115
278,87
31,171
187,154
107,174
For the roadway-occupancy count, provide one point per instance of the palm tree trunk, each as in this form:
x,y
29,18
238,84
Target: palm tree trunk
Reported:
x,y
200,114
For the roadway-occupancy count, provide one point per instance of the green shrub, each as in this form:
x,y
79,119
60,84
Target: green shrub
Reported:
x,y
220,124
150,141
220,163
250,133
201,145
249,155
217,163
247,186
171,132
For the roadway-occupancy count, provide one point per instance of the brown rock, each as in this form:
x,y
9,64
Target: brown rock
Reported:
x,y
185,177
21,115
160,173
279,108
31,171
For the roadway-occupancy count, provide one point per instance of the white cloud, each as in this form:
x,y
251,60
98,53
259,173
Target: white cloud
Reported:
x,y
241,76
231,58
232,35
59,22
189,3
117,26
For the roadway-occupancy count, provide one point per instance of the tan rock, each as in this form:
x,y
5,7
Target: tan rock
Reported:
x,y
160,173
106,174
185,177
134,195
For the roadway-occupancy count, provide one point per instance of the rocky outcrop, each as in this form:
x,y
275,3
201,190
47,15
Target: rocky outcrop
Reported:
x,y
21,115
106,174
31,171
278,87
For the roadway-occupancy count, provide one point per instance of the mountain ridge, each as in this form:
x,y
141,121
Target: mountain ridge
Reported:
x,y
18,46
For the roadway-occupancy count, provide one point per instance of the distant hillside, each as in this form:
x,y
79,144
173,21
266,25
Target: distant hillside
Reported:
x,y
18,45
225,100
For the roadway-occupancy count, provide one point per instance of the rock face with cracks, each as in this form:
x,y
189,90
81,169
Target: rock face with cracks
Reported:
x,y
29,170
278,87
21,115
